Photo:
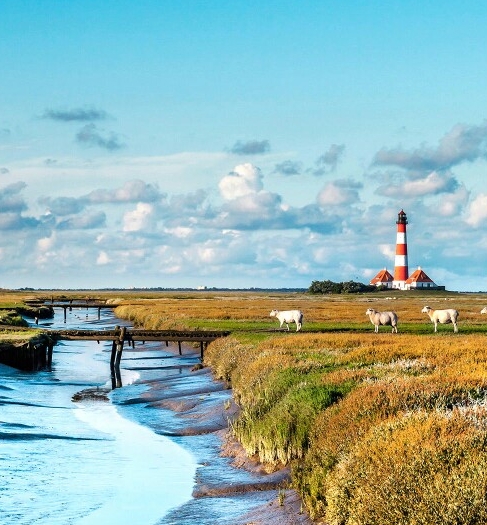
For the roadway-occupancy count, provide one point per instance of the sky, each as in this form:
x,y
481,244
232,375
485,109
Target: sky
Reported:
x,y
241,144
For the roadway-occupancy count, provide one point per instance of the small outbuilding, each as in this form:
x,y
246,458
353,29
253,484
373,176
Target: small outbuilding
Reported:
x,y
419,279
383,278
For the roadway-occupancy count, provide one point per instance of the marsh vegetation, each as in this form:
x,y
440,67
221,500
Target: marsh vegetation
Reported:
x,y
378,428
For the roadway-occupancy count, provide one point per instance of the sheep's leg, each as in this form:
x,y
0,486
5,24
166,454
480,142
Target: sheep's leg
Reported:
x,y
376,329
455,328
436,326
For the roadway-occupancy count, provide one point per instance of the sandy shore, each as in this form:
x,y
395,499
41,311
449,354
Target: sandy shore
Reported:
x,y
201,405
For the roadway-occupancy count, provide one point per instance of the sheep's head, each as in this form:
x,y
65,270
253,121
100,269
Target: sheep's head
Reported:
x,y
370,311
425,310
273,313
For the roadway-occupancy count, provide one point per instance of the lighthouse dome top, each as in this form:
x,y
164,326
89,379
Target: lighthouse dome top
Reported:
x,y
401,218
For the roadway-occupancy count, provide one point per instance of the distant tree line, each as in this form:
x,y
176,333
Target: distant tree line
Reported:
x,y
322,287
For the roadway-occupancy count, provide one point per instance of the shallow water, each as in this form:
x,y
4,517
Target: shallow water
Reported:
x,y
95,462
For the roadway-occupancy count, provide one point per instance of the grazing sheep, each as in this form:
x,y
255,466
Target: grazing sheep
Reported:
x,y
484,310
289,316
442,316
385,318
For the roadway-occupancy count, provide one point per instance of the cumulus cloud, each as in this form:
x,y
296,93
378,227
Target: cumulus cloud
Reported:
x,y
10,198
4,171
477,211
75,114
251,147
451,205
131,191
462,144
328,162
339,193
243,180
14,221
432,184
139,219
90,135
388,251
84,222
62,205
288,167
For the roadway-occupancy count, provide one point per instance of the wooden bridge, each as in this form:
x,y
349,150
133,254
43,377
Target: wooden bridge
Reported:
x,y
68,306
39,350
120,335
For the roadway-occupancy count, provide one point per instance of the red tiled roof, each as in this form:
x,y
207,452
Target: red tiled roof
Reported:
x,y
382,277
418,276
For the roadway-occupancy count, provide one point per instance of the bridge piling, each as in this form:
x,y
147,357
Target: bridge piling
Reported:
x,y
114,348
119,346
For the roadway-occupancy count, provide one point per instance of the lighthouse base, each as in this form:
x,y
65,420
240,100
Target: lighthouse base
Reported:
x,y
400,285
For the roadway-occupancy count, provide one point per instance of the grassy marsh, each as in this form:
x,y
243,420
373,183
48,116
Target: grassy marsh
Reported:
x,y
378,428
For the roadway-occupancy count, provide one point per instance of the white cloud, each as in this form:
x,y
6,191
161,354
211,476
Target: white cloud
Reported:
x,y
138,219
338,193
245,179
102,258
179,231
451,205
431,184
388,251
46,243
477,211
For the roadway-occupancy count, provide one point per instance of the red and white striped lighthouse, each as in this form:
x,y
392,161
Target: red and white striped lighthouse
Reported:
x,y
401,260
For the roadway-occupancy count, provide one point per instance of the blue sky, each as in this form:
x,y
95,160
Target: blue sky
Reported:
x,y
240,143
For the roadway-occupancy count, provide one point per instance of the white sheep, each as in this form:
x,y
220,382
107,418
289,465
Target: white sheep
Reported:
x,y
384,318
289,316
447,316
484,310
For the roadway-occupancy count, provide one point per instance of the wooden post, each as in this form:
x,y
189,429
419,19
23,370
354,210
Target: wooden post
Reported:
x,y
179,347
99,309
114,347
201,349
120,346
65,308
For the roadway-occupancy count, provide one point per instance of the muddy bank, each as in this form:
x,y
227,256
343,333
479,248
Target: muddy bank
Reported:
x,y
30,354
192,403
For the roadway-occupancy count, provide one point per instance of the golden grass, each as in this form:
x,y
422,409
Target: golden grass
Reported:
x,y
378,428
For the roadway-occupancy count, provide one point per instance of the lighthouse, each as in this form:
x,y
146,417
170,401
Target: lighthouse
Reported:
x,y
401,259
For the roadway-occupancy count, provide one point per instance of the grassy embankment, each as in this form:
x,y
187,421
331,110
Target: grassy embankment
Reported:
x,y
378,428
11,307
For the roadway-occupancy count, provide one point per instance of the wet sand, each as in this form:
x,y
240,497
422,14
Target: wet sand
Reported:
x,y
192,403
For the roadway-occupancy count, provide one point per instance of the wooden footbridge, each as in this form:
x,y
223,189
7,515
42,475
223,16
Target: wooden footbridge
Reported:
x,y
68,306
37,352
121,335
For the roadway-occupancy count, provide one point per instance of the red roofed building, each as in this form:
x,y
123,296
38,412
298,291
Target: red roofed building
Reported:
x,y
383,278
418,279
401,280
